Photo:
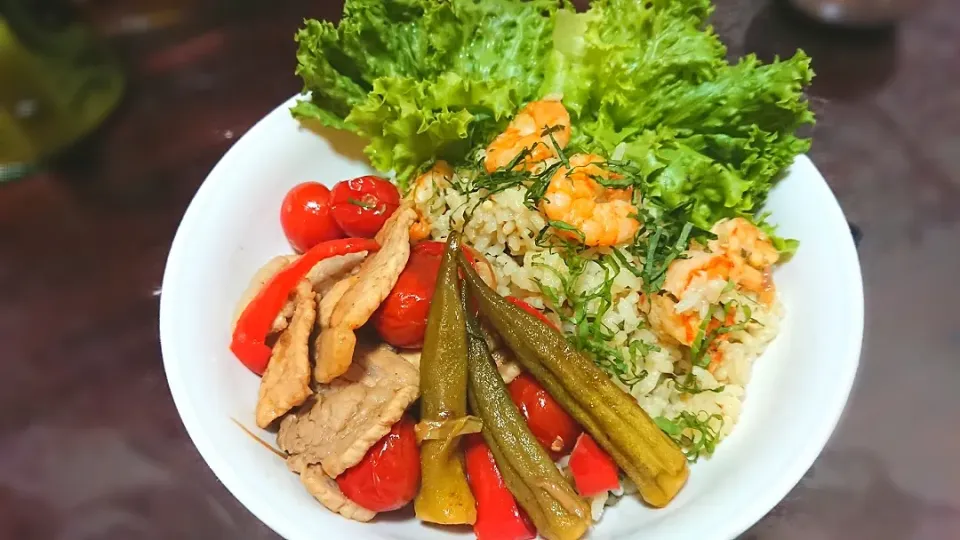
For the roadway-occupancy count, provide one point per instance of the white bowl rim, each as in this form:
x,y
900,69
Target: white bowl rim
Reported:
x,y
773,493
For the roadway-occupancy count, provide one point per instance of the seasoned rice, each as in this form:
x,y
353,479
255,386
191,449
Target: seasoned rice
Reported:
x,y
505,230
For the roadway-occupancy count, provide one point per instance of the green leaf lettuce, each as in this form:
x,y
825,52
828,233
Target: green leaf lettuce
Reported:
x,y
430,79
709,137
423,79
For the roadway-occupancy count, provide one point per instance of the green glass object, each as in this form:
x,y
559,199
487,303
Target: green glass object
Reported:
x,y
57,83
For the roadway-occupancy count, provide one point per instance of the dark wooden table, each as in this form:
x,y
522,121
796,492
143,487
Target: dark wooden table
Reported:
x,y
90,443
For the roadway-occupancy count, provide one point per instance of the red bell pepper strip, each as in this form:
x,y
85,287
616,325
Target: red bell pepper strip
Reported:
x,y
250,335
594,471
520,303
498,515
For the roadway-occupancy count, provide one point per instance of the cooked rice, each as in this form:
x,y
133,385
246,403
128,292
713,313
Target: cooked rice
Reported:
x,y
504,230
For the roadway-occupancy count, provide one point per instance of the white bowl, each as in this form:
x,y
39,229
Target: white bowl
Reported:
x,y
799,386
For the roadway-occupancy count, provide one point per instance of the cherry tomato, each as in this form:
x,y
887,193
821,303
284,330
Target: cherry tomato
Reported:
x,y
389,475
531,310
430,247
550,424
362,205
401,319
593,470
305,216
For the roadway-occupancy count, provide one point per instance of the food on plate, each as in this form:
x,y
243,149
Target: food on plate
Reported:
x,y
606,411
537,133
306,217
326,490
286,380
522,304
594,471
481,264
258,317
594,214
372,284
362,205
445,497
345,418
259,279
570,259
329,300
499,517
434,80
550,424
439,174
401,319
506,364
538,485
388,476
322,277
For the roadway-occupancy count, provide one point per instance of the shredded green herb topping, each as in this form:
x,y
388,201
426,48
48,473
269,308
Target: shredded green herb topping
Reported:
x,y
690,384
706,337
697,434
361,204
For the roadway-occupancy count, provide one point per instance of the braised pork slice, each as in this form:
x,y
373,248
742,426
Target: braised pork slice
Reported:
x,y
329,300
376,278
334,353
324,275
348,416
286,381
379,273
325,489
411,356
328,272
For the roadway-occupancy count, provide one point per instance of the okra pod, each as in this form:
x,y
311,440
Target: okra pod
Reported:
x,y
613,417
445,495
553,505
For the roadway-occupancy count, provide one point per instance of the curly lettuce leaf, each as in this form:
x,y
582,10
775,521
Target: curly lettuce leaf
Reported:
x,y
708,137
423,79
615,55
428,79
409,122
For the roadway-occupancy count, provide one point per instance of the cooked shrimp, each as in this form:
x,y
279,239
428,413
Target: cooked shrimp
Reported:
x,y
663,317
683,327
741,254
438,177
604,216
739,237
700,267
693,285
534,129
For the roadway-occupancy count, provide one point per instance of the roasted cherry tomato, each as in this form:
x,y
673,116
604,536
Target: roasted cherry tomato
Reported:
x,y
430,248
389,475
401,319
305,216
362,205
550,424
593,470
531,310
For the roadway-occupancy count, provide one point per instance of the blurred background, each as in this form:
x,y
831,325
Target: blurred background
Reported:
x,y
112,112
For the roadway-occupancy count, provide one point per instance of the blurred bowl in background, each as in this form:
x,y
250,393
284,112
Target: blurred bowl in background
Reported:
x,y
860,13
